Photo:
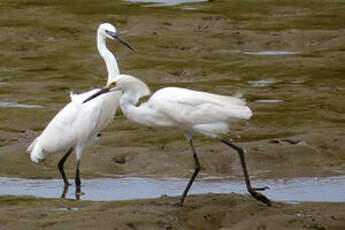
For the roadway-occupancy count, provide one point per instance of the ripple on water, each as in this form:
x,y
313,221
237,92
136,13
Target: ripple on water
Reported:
x,y
298,189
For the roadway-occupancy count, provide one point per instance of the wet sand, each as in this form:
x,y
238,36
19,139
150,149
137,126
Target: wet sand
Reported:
x,y
286,58
209,211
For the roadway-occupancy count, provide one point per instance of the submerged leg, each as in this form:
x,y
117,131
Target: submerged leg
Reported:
x,y
251,190
64,192
60,166
196,170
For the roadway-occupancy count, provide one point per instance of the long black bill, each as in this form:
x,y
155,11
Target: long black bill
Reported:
x,y
100,92
114,35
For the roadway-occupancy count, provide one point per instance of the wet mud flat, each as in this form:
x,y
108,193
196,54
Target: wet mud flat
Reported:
x,y
285,57
201,212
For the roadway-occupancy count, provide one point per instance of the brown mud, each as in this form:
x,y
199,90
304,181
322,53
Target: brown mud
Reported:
x,y
49,48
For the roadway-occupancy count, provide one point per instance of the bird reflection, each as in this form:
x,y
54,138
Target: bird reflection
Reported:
x,y
78,192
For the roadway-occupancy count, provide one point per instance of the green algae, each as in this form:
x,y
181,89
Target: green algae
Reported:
x,y
48,48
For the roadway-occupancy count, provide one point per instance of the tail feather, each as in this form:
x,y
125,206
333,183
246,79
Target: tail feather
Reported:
x,y
247,113
35,150
31,146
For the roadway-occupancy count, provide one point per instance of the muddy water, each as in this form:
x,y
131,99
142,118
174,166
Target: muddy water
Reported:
x,y
299,189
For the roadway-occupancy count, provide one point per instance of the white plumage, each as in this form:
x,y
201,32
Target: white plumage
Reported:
x,y
77,125
188,110
201,112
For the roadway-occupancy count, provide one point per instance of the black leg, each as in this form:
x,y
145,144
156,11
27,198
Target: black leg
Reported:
x,y
196,170
60,166
64,192
78,192
77,178
251,190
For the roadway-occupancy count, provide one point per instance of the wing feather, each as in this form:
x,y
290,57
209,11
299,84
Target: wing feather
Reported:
x,y
189,107
74,123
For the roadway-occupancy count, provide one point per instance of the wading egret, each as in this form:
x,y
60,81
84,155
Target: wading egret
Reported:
x,y
77,125
188,110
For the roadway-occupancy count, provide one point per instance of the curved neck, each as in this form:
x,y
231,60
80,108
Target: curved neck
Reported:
x,y
108,57
142,114
130,97
132,112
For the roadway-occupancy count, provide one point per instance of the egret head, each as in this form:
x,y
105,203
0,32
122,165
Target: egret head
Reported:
x,y
107,30
124,83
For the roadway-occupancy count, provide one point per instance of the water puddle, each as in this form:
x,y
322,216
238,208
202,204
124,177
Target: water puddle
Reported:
x,y
5,69
189,8
16,105
269,101
105,189
263,82
299,81
68,209
268,52
165,2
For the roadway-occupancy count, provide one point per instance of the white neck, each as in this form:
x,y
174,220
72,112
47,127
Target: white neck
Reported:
x,y
109,59
128,106
142,114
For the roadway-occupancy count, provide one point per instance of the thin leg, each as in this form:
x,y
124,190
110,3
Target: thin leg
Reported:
x,y
78,192
196,170
60,166
64,192
251,190
77,178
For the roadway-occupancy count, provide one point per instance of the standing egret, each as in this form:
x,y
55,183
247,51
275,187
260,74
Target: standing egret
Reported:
x,y
191,111
76,125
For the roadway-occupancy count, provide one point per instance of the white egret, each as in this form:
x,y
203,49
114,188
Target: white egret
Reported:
x,y
188,110
77,125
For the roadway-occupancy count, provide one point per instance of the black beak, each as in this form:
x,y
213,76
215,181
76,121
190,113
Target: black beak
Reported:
x,y
100,92
114,35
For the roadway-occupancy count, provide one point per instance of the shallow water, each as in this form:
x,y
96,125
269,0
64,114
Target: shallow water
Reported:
x,y
263,82
16,105
166,2
268,52
300,189
269,101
